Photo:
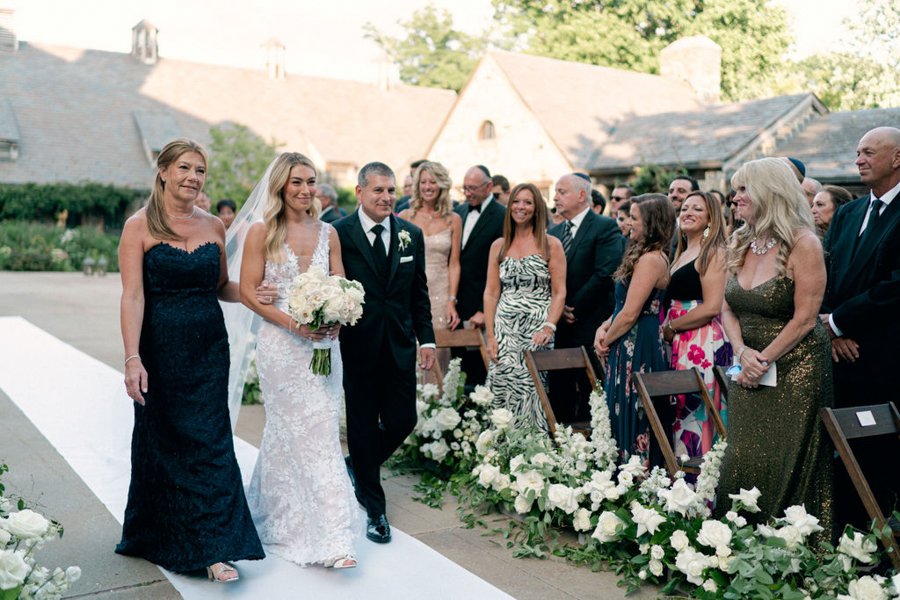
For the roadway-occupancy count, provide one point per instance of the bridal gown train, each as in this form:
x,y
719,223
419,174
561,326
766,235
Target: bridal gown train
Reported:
x,y
300,494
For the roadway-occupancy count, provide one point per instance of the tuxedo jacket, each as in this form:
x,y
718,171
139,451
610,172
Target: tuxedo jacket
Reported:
x,y
594,256
863,291
330,216
473,258
397,311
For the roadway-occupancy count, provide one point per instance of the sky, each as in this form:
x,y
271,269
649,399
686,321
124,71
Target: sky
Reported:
x,y
322,38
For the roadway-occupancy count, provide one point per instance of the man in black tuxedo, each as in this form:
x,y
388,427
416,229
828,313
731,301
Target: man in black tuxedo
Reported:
x,y
386,255
482,218
862,302
594,247
328,198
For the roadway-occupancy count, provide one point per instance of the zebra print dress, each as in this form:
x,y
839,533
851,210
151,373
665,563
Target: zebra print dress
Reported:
x,y
521,311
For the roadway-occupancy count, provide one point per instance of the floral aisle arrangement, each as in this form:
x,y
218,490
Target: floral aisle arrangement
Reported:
x,y
22,533
317,299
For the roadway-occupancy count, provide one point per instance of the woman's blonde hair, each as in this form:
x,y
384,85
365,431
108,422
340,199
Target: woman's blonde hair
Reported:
x,y
157,219
442,205
713,241
274,216
538,221
778,209
658,217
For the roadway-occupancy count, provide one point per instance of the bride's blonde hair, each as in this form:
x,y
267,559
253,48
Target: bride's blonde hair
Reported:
x,y
274,216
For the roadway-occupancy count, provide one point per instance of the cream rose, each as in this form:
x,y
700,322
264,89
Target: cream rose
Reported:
x,y
679,498
482,396
714,534
26,524
523,504
447,419
609,526
501,418
679,540
562,497
13,569
582,520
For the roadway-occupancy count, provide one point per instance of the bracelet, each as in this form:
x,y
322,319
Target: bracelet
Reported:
x,y
452,299
137,356
550,325
670,328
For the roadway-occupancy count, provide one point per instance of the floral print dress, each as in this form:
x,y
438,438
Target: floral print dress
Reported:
x,y
638,351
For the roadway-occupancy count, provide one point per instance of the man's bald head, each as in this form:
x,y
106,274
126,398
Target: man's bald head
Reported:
x,y
878,159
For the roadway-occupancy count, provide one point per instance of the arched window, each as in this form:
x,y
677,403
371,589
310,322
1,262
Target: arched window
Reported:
x,y
487,131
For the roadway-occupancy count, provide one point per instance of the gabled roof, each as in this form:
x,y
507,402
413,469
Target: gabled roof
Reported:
x,y
76,113
828,144
580,105
695,138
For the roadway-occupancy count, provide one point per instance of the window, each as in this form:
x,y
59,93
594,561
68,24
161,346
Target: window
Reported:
x,y
487,131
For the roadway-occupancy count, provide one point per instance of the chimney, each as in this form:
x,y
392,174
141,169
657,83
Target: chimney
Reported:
x,y
387,72
8,40
144,42
275,51
696,60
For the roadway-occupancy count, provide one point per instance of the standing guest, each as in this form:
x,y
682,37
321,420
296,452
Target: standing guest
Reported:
x,y
775,439
300,496
328,197
430,210
826,203
620,194
692,325
523,302
500,189
387,256
811,187
226,210
593,249
623,218
797,167
727,216
631,339
482,220
403,202
203,202
186,507
598,202
863,301
679,188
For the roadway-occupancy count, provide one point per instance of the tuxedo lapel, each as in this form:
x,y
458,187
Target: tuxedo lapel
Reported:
x,y
487,213
583,232
393,252
362,242
870,240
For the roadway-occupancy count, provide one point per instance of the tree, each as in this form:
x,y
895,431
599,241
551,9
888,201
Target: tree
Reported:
x,y
629,34
238,159
431,53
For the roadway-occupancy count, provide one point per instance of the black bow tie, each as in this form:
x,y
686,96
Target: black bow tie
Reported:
x,y
475,207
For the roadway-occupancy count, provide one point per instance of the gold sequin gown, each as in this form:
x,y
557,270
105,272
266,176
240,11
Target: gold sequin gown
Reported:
x,y
776,440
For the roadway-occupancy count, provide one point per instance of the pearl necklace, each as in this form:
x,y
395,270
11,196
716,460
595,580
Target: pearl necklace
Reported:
x,y
758,250
190,216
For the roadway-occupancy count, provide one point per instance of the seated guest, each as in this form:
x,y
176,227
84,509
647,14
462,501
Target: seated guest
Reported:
x,y
775,439
327,197
226,211
826,203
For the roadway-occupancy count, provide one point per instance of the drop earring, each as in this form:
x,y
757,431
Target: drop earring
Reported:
x,y
706,232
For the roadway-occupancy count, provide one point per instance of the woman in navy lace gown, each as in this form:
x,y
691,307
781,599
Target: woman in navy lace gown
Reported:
x,y
186,506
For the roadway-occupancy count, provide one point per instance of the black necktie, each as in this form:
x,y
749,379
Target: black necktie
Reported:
x,y
381,260
874,213
475,208
567,236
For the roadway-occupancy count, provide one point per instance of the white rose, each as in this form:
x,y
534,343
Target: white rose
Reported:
x,y
73,574
679,540
748,498
501,418
656,567
26,524
791,535
4,537
679,498
710,586
714,534
692,564
429,391
562,497
609,526
439,450
523,504
895,581
516,462
657,552
799,518
484,441
582,520
856,545
13,569
488,474
502,482
540,459
735,518
529,480
865,588
634,467
647,519
447,419
482,396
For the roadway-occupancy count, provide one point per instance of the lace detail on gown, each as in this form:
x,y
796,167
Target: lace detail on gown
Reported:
x,y
300,495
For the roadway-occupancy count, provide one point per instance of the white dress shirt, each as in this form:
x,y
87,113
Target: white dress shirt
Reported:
x,y
576,222
472,219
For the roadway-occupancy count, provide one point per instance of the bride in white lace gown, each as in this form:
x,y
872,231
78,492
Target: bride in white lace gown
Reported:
x,y
300,494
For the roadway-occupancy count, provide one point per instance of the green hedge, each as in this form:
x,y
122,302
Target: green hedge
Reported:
x,y
40,247
43,202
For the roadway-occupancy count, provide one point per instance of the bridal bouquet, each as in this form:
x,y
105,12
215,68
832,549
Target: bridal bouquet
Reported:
x,y
317,299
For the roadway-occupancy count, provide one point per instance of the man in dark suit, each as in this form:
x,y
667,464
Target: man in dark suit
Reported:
x,y
862,302
482,218
327,197
594,247
386,255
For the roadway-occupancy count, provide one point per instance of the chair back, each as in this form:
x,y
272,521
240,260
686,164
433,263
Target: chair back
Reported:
x,y
458,338
558,359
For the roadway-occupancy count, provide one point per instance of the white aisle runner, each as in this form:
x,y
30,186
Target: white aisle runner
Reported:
x,y
79,404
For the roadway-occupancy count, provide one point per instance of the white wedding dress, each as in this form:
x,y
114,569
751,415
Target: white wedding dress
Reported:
x,y
300,495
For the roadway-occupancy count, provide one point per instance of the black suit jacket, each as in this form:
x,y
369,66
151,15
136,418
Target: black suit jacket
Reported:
x,y
594,256
330,216
397,310
863,293
473,259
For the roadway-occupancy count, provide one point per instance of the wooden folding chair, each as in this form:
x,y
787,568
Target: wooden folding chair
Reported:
x,y
844,424
458,338
558,360
653,387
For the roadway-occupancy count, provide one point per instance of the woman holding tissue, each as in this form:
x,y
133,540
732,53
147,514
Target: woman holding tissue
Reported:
x,y
775,439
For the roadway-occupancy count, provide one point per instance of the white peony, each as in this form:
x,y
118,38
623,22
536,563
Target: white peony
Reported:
x,y
447,419
501,418
562,497
864,588
523,504
529,480
856,545
679,540
26,524
582,520
679,498
646,519
714,534
482,396
13,569
799,518
748,499
609,526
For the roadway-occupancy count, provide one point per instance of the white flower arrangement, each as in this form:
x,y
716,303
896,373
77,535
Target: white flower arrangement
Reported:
x,y
403,239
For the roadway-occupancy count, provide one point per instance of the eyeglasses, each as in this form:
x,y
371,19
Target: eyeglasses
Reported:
x,y
618,197
472,188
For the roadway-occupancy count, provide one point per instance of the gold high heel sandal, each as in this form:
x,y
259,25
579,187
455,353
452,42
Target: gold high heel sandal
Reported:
x,y
222,572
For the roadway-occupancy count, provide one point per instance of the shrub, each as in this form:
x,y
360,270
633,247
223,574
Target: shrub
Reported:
x,y
43,202
41,247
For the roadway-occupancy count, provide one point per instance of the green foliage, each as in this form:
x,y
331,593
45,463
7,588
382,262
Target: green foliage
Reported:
x,y
346,199
41,247
44,202
629,34
252,393
654,179
238,159
431,53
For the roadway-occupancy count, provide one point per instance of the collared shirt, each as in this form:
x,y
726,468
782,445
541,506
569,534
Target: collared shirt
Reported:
x,y
367,225
577,220
472,218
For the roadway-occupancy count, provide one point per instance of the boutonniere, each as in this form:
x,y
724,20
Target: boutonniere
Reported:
x,y
404,239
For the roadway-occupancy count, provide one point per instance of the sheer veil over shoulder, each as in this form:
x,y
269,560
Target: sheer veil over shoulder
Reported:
x,y
241,322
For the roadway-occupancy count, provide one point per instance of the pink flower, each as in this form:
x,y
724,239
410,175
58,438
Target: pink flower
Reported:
x,y
696,354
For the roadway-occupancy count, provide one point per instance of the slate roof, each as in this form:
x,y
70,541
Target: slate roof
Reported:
x,y
696,138
579,105
80,113
828,144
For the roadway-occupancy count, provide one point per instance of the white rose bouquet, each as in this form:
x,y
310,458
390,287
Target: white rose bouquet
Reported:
x,y
317,299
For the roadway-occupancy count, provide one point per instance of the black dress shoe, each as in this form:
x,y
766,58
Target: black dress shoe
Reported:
x,y
378,530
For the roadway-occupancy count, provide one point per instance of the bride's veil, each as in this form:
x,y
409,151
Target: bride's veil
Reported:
x,y
241,322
